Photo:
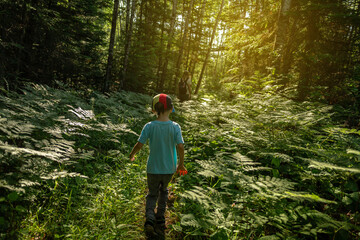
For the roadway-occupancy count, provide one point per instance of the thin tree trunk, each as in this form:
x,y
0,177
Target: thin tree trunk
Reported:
x,y
219,52
161,53
282,28
178,63
168,46
209,49
305,68
128,43
128,6
107,83
118,30
283,22
188,48
197,39
286,53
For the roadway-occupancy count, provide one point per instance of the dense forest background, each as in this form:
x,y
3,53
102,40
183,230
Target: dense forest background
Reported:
x,y
230,46
272,132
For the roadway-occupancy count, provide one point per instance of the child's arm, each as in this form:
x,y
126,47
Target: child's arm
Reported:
x,y
180,150
136,148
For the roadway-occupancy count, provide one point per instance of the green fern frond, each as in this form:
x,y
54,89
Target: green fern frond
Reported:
x,y
309,197
199,195
61,174
323,165
207,173
54,156
189,220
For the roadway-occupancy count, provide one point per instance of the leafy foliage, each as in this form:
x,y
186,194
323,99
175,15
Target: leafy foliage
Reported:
x,y
47,41
53,142
268,166
262,167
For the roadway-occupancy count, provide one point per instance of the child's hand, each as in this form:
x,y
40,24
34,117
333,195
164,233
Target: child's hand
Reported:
x,y
136,148
181,170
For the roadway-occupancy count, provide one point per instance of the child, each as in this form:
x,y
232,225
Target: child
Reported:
x,y
164,138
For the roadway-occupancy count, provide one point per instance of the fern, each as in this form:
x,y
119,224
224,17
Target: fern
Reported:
x,y
197,194
189,220
50,136
324,165
255,158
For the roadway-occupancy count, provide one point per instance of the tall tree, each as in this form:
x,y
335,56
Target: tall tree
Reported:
x,y
128,41
281,33
209,48
197,40
181,49
161,50
107,82
309,55
168,46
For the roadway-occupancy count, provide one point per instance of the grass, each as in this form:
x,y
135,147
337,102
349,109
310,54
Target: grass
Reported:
x,y
107,206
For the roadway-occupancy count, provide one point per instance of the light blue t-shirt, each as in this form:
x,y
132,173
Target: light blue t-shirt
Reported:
x,y
163,138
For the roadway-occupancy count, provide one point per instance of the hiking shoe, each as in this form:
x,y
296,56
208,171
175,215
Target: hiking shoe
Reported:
x,y
160,221
160,227
149,229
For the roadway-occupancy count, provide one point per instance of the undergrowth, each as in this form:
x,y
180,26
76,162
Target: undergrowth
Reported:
x,y
260,167
64,164
265,167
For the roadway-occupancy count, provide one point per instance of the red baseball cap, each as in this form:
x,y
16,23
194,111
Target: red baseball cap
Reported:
x,y
165,100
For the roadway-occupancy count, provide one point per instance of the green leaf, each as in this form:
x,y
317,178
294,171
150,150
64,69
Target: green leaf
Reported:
x,y
177,228
352,151
322,165
275,173
189,220
351,186
2,221
347,201
269,237
20,208
13,196
307,196
219,235
275,162
355,196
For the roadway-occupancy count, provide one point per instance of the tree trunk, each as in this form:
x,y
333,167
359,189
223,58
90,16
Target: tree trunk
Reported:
x,y
282,25
219,53
209,49
197,39
187,53
181,50
306,63
128,6
107,82
160,87
286,58
128,43
282,28
161,53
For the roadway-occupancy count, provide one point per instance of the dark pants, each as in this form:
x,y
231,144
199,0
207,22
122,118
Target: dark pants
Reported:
x,y
158,192
184,97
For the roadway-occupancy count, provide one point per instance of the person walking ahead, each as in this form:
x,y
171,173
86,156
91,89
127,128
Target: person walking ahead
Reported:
x,y
165,141
185,87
